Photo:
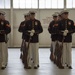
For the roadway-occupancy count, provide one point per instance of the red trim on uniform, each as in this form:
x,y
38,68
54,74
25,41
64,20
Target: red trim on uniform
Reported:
x,y
55,24
7,25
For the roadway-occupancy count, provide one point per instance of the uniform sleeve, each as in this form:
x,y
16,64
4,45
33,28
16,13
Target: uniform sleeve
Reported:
x,y
50,28
25,29
40,29
7,27
20,29
60,28
53,29
72,30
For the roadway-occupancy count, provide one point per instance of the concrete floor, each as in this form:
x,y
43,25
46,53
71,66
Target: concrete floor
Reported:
x,y
15,66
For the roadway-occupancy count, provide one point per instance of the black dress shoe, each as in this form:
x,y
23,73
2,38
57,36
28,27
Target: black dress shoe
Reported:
x,y
69,67
3,68
61,67
27,67
6,65
35,67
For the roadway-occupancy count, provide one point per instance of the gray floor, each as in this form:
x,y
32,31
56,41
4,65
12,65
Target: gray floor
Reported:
x,y
15,66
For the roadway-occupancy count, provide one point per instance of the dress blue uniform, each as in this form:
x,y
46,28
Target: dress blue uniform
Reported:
x,y
35,25
4,31
67,28
23,45
53,30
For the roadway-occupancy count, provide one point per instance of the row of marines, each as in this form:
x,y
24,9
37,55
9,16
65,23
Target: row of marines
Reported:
x,y
61,29
5,29
30,28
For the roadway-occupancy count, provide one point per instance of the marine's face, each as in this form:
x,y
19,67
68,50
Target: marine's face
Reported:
x,y
32,16
65,16
55,18
60,17
28,17
1,16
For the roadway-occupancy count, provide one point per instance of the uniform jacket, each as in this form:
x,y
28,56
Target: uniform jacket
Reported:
x,y
22,24
4,29
36,25
53,30
69,25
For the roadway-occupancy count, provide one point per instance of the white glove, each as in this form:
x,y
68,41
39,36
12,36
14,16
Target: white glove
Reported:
x,y
31,34
65,33
33,31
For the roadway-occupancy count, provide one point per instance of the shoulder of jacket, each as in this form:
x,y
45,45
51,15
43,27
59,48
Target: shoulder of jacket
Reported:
x,y
52,22
70,20
37,20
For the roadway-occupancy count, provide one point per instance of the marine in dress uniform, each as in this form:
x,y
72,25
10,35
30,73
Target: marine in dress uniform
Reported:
x,y
21,27
59,16
32,30
4,31
53,29
66,28
59,46
22,24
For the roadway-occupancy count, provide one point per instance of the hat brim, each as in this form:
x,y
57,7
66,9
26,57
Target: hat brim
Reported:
x,y
55,16
65,12
2,14
32,13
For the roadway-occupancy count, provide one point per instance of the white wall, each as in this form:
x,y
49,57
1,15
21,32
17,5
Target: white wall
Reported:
x,y
45,16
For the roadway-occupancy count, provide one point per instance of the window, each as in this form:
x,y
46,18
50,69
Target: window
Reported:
x,y
15,3
25,4
60,3
41,3
28,3
4,4
73,3
70,3
1,3
48,3
34,3
22,4
54,4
